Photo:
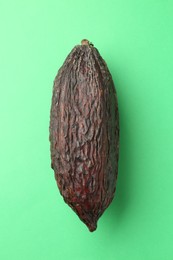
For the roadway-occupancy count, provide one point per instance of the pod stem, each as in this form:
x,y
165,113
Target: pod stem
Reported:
x,y
86,42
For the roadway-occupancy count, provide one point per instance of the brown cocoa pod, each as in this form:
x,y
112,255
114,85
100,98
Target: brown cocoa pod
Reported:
x,y
84,133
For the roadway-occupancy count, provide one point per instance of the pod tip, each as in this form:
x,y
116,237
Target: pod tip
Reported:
x,y
92,227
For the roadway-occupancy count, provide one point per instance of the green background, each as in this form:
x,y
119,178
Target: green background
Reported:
x,y
135,37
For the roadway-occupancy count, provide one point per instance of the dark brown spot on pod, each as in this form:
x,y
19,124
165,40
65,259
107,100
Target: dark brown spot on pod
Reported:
x,y
84,133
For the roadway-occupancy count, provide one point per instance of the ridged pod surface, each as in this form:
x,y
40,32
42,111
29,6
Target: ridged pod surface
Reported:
x,y
84,133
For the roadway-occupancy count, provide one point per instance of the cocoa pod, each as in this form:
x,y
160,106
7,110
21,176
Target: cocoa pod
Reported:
x,y
84,133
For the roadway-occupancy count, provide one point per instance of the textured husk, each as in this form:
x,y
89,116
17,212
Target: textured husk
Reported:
x,y
84,133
